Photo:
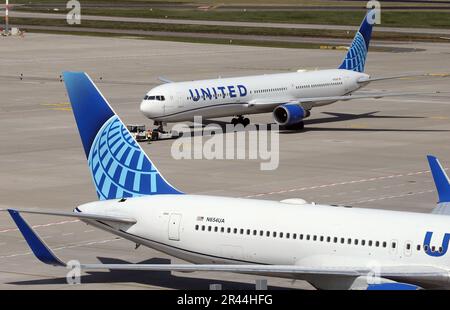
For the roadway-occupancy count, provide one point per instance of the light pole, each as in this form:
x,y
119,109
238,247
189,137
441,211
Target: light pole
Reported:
x,y
7,17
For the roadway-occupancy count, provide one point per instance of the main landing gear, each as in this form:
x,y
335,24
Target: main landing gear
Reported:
x,y
160,127
240,120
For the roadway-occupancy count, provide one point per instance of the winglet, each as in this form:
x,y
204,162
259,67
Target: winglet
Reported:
x,y
440,179
39,248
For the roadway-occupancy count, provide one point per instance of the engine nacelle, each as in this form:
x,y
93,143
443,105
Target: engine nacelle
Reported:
x,y
289,114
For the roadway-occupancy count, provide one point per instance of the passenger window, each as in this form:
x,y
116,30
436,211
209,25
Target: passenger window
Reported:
x,y
440,249
425,247
384,244
267,233
321,238
203,227
235,230
254,232
356,241
216,229
370,242
248,231
335,239
274,234
222,229
314,238
342,240
300,236
394,245
294,236
196,227
418,247
377,244
328,239
307,237
363,242
281,235
287,235
261,233
349,241
408,246
242,231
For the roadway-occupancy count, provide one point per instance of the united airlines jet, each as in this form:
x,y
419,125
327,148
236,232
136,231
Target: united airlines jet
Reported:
x,y
289,96
331,247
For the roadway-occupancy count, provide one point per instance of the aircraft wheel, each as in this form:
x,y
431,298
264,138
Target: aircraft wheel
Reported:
x,y
245,122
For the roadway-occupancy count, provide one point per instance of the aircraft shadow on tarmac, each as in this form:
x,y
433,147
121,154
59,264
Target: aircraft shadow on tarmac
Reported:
x,y
340,117
332,118
163,279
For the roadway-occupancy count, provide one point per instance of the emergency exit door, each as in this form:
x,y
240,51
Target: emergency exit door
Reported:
x,y
174,226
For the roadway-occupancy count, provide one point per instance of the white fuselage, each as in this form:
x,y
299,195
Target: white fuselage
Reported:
x,y
181,101
220,230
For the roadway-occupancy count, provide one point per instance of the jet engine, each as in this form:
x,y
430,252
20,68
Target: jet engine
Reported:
x,y
289,114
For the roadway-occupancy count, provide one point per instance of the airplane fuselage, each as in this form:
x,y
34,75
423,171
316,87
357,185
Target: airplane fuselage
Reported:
x,y
220,230
181,101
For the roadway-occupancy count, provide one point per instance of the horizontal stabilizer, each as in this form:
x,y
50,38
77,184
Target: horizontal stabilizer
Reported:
x,y
382,78
164,80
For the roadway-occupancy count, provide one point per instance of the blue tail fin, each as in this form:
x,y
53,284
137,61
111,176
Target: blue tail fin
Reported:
x,y
118,165
357,53
440,179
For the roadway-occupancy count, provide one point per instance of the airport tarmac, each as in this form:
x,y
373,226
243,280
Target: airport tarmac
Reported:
x,y
364,153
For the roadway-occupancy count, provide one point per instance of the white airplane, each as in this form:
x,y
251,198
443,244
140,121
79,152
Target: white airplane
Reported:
x,y
290,96
331,247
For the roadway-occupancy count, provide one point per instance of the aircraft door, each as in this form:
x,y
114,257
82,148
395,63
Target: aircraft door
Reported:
x,y
393,245
174,226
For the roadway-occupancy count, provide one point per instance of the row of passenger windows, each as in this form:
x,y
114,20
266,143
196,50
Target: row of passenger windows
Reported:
x,y
261,91
220,95
317,85
160,98
309,237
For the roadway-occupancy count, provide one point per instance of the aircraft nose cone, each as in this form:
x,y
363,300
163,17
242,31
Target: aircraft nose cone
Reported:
x,y
151,109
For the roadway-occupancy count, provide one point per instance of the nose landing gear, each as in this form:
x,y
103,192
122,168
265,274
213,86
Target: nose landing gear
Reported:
x,y
240,120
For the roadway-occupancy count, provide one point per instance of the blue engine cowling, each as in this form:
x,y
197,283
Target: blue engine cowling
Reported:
x,y
289,114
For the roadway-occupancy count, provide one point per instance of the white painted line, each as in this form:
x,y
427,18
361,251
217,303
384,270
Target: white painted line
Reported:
x,y
341,183
388,197
64,247
41,225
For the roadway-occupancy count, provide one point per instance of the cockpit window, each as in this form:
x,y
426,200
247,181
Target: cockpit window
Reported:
x,y
160,98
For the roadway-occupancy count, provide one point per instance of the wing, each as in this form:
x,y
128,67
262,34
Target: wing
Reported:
x,y
388,275
309,103
95,217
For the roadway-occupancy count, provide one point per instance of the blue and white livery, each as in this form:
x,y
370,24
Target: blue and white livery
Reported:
x,y
289,96
118,165
331,247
